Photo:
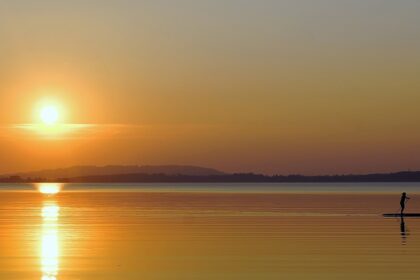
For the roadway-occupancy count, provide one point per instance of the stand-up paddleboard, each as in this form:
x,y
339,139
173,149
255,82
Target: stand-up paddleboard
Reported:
x,y
403,215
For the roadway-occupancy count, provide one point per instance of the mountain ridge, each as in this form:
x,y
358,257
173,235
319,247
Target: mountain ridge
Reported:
x,y
108,170
194,174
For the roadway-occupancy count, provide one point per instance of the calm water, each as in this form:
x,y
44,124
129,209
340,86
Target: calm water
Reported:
x,y
208,231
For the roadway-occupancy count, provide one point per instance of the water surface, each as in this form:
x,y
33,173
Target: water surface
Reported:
x,y
208,231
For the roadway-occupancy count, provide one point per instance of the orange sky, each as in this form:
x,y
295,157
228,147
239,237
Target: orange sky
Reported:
x,y
273,87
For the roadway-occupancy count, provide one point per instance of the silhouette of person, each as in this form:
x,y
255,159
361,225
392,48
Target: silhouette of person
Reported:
x,y
404,198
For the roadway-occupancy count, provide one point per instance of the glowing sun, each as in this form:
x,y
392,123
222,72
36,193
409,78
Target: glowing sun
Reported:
x,y
49,115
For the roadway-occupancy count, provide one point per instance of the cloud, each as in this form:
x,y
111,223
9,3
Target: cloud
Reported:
x,y
63,131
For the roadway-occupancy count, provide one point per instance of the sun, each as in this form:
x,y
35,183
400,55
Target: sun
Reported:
x,y
49,115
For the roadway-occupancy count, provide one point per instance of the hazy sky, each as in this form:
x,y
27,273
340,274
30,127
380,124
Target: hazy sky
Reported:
x,y
295,86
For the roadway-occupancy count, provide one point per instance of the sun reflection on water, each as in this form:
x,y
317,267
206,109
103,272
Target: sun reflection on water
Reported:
x,y
50,241
49,188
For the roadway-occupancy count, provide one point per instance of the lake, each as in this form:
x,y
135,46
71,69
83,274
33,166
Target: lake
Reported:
x,y
208,231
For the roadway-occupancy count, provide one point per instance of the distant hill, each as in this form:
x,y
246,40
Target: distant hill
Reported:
x,y
247,178
183,174
82,171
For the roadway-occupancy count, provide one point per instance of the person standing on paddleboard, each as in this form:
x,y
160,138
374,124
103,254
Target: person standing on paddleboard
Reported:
x,y
404,198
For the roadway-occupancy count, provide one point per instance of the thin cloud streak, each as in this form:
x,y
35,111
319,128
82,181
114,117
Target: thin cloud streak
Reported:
x,y
64,131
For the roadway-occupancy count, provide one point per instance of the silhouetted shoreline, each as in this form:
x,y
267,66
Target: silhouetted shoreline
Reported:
x,y
406,176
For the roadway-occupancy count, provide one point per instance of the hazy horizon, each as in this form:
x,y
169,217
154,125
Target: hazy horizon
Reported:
x,y
202,168
308,87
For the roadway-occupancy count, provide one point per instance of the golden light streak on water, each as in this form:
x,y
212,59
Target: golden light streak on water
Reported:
x,y
50,241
